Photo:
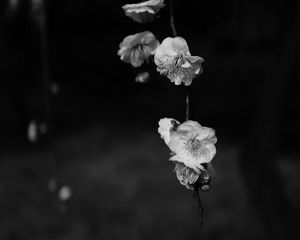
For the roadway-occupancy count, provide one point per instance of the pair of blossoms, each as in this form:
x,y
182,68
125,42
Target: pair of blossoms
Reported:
x,y
172,56
192,145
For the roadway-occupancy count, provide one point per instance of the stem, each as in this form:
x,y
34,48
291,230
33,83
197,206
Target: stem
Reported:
x,y
45,59
172,24
187,102
172,19
200,206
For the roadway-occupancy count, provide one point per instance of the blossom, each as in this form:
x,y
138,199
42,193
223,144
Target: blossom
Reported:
x,y
144,11
192,147
174,59
186,176
137,48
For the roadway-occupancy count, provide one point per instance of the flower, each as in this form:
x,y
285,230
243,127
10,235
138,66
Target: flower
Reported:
x,y
192,147
144,11
186,176
137,48
174,59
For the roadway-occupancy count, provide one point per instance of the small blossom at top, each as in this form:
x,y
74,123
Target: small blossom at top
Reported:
x,y
193,148
137,48
144,11
174,60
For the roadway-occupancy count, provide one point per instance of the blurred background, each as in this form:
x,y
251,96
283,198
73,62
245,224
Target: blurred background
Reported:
x,y
80,156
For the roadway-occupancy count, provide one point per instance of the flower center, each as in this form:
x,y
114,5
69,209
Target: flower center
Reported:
x,y
178,73
139,49
194,146
179,60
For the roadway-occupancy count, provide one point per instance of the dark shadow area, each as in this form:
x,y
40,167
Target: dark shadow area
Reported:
x,y
97,169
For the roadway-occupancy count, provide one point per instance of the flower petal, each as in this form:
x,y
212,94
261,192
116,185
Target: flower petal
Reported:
x,y
206,133
194,59
190,128
207,153
166,125
186,65
164,51
188,160
180,45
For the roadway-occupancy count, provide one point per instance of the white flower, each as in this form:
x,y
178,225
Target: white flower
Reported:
x,y
144,11
192,148
137,48
174,59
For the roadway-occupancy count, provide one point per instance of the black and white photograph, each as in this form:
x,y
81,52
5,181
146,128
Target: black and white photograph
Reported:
x,y
149,120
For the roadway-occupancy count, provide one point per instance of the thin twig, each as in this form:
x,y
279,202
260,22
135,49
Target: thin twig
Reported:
x,y
172,18
200,206
45,60
187,102
173,27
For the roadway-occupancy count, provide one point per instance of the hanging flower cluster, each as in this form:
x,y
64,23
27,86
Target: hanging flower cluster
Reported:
x,y
192,145
192,148
172,57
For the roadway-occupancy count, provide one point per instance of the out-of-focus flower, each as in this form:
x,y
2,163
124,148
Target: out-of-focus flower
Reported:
x,y
174,60
64,193
35,130
54,88
52,185
32,131
37,11
142,77
192,148
13,4
137,48
144,11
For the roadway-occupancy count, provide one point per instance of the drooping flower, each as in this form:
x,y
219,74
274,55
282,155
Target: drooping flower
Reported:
x,y
137,48
186,176
192,147
174,60
144,11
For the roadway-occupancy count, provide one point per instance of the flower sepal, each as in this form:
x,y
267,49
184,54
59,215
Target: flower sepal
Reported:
x,y
205,178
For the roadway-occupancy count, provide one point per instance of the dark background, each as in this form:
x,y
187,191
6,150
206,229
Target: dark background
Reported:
x,y
103,142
